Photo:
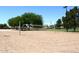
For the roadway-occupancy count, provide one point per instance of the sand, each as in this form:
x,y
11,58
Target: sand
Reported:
x,y
38,41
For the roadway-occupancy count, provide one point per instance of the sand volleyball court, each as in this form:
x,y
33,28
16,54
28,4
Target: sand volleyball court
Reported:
x,y
38,41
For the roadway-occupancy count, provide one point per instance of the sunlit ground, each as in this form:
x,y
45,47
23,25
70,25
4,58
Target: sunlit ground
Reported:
x,y
38,41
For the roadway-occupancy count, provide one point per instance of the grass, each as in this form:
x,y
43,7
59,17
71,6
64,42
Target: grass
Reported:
x,y
57,30
64,30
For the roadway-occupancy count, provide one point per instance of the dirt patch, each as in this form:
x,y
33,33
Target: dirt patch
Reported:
x,y
39,41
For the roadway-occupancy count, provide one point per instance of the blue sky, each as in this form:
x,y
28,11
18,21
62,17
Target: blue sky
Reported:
x,y
50,14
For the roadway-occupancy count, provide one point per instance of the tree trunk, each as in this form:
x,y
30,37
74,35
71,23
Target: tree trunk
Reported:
x,y
74,29
67,29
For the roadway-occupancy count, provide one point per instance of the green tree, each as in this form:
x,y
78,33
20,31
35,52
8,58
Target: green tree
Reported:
x,y
73,18
3,26
58,23
65,7
66,23
32,18
70,20
14,21
26,18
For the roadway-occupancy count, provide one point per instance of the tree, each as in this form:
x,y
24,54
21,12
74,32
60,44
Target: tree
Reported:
x,y
26,18
3,26
72,16
70,20
58,23
66,23
31,18
66,20
13,22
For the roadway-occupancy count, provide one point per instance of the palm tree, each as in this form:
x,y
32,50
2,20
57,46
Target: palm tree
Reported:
x,y
66,19
65,8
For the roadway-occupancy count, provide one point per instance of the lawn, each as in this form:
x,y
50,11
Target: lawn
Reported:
x,y
63,30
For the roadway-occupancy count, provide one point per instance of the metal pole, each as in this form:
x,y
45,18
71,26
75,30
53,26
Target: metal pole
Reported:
x,y
19,28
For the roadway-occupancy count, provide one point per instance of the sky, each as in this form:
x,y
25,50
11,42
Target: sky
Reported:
x,y
50,14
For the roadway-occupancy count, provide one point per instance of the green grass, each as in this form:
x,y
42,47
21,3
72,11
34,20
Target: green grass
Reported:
x,y
57,30
63,30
